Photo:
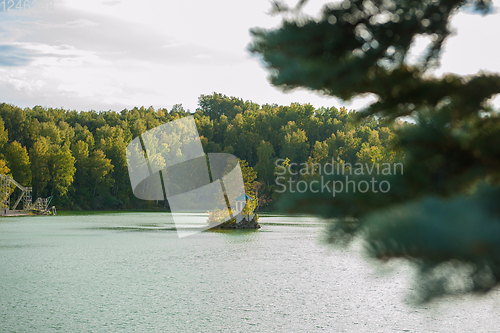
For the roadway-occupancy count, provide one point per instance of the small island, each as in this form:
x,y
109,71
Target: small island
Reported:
x,y
245,219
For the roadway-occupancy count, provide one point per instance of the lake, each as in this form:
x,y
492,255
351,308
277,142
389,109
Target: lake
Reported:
x,y
124,272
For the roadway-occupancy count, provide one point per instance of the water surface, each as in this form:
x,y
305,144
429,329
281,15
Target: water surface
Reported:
x,y
129,272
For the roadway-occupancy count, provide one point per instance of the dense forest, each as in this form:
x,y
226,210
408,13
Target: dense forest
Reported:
x,y
79,157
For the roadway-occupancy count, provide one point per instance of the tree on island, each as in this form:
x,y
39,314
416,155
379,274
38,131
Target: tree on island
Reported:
x,y
216,216
443,213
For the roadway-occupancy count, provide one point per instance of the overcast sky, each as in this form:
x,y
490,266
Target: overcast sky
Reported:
x,y
114,54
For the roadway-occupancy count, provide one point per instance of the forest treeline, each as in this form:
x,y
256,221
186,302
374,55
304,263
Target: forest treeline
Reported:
x,y
80,156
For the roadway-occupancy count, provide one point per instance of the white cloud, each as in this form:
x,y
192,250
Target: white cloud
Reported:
x,y
102,55
111,3
474,46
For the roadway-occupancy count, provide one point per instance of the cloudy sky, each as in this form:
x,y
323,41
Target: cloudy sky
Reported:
x,y
116,54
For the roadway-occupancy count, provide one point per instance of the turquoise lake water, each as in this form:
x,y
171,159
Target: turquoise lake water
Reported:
x,y
129,272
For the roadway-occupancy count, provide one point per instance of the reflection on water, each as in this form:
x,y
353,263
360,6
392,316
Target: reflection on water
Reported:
x,y
129,271
236,236
137,228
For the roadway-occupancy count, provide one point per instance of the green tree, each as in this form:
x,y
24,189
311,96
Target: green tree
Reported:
x,y
82,185
368,155
19,163
4,169
4,134
15,122
51,131
249,176
62,169
39,156
295,144
265,164
443,211
112,143
99,166
218,104
347,145
225,124
320,152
